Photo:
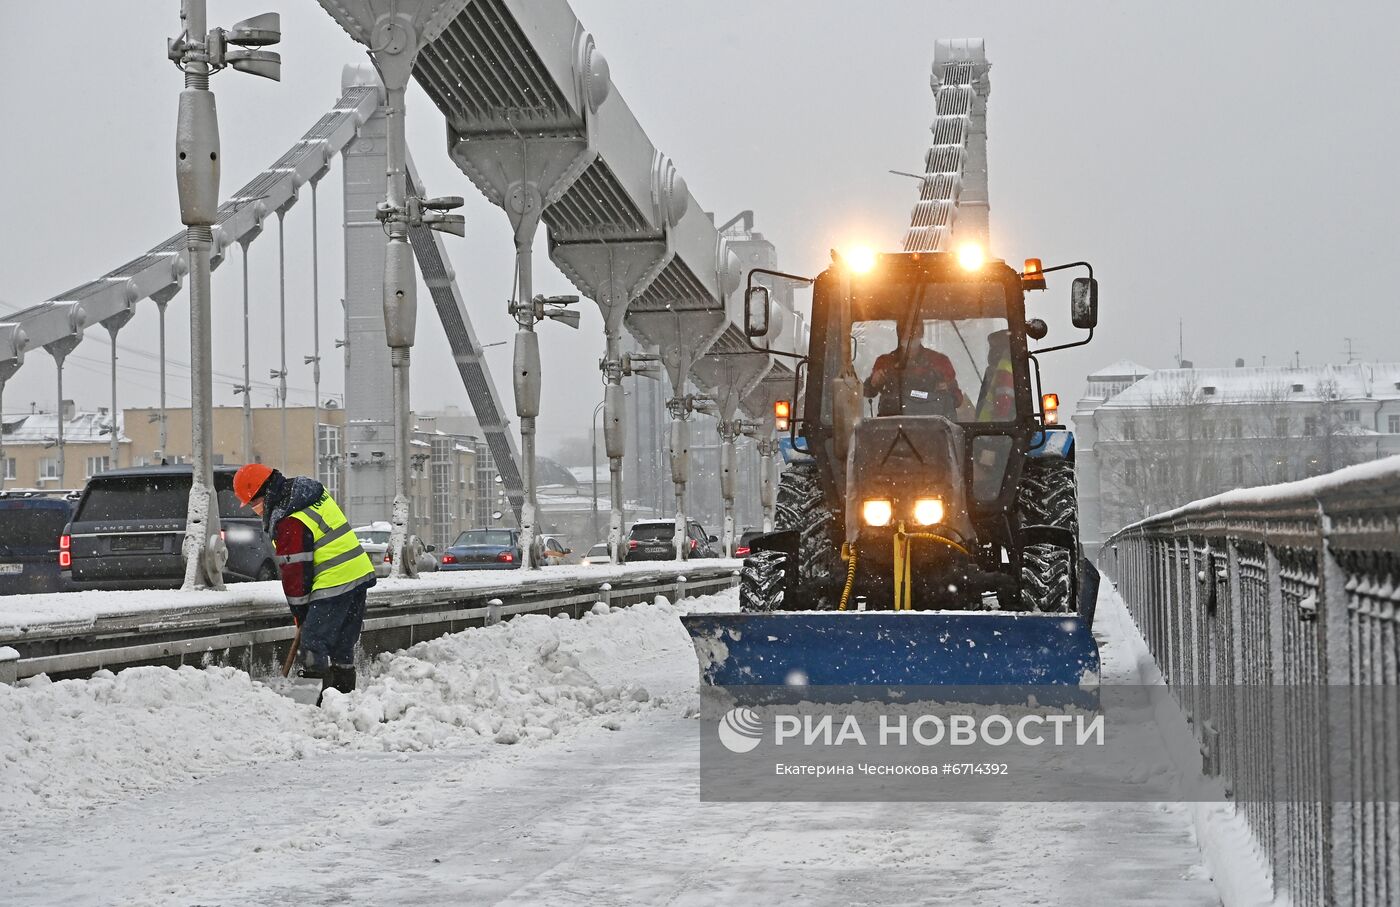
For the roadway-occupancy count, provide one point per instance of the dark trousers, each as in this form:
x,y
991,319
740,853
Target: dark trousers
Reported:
x,y
332,627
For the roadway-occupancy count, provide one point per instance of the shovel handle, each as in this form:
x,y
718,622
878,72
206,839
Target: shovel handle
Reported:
x,y
292,653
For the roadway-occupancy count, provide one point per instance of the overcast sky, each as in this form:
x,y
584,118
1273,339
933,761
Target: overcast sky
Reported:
x,y
1228,166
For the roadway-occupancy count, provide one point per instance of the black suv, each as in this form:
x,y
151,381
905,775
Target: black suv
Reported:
x,y
652,540
31,523
130,524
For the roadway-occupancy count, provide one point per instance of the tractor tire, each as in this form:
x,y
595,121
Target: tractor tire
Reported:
x,y
761,582
800,506
1047,582
1049,496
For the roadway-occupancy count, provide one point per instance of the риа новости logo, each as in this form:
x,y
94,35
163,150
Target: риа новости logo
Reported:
x,y
740,730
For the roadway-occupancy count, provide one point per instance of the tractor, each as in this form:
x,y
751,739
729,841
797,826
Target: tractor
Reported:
x,y
926,527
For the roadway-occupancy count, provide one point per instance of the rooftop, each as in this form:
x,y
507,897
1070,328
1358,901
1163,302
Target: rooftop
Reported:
x,y
1358,381
36,428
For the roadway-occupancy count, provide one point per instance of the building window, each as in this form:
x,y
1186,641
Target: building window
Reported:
x,y
1208,474
48,468
96,465
1207,429
1310,425
1164,429
1394,422
1281,427
10,462
1162,472
1129,430
1237,428
1351,415
1130,472
1237,471
328,452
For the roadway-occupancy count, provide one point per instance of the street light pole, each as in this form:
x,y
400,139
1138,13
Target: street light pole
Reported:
x,y
593,453
315,359
198,52
247,379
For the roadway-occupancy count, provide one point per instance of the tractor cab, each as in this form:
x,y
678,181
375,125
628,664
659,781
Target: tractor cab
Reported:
x,y
919,353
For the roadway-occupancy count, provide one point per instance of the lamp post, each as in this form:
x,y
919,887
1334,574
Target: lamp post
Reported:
x,y
200,51
593,453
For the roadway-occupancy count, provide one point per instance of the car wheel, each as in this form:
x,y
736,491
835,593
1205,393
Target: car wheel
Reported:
x,y
266,573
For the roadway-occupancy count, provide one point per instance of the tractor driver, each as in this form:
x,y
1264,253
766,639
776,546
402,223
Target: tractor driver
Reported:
x,y
913,380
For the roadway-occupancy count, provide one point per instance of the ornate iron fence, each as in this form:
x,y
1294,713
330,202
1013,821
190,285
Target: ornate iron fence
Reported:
x,y
1292,587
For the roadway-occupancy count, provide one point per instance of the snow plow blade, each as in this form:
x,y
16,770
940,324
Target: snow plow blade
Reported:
x,y
888,649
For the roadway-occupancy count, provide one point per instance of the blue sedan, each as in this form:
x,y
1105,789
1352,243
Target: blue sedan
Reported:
x,y
483,549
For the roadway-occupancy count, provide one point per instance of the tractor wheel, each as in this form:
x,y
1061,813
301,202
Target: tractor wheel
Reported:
x,y
1048,496
800,506
761,582
1047,583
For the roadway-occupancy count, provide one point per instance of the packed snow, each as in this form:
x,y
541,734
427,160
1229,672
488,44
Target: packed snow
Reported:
x,y
79,744
540,761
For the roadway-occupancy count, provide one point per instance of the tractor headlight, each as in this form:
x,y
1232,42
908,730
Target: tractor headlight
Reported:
x,y
928,511
877,512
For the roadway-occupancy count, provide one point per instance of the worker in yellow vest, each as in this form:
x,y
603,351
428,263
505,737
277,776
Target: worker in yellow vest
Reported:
x,y
997,400
326,575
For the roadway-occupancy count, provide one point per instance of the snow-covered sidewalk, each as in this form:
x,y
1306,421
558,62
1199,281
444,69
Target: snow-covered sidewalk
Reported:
x,y
185,787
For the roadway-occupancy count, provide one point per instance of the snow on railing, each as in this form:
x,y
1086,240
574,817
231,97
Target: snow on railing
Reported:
x,y
1292,587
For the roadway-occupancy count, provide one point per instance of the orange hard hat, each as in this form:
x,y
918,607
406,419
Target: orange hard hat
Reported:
x,y
249,480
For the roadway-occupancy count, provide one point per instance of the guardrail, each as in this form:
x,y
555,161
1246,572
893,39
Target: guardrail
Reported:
x,y
1293,587
251,629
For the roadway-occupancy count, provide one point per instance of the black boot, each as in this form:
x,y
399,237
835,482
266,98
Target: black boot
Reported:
x,y
343,678
327,683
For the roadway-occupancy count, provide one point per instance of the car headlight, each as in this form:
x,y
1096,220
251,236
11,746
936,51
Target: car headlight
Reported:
x,y
928,511
877,512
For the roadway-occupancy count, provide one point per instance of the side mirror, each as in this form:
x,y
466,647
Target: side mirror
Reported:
x,y
714,538
757,311
430,548
1084,302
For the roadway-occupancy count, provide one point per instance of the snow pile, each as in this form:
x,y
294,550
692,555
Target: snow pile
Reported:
x,y
528,679
81,742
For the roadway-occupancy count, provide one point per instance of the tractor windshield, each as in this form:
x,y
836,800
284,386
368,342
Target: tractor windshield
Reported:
x,y
936,349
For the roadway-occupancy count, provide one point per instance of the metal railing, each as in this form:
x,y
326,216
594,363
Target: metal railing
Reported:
x,y
1292,587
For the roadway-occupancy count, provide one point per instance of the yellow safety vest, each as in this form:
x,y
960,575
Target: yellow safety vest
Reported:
x,y
986,410
338,563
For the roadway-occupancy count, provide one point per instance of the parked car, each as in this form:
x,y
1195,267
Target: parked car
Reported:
x,y
374,539
483,549
598,554
651,540
129,524
31,524
743,543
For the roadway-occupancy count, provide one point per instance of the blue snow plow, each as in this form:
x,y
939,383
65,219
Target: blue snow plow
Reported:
x,y
894,649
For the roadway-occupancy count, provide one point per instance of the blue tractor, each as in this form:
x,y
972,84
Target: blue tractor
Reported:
x,y
927,522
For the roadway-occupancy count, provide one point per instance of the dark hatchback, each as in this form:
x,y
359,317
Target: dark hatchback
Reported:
x,y
483,549
653,540
31,524
130,524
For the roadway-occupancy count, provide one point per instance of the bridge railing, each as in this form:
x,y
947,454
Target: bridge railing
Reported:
x,y
1271,613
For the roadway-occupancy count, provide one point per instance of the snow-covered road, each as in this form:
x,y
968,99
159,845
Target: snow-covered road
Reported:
x,y
199,787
